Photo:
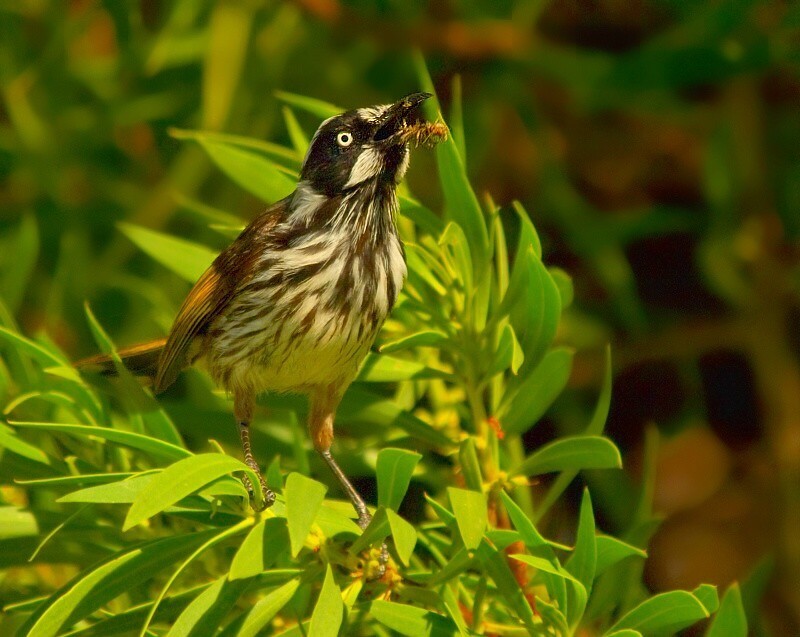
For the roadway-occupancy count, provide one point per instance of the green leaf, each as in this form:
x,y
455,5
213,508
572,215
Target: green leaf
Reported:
x,y
572,452
533,304
610,551
16,522
362,406
286,158
303,497
583,561
208,609
527,530
540,547
254,172
376,531
185,258
394,469
708,596
404,535
329,611
663,614
296,134
129,439
129,621
470,465
528,237
379,368
509,354
453,237
11,442
730,620
119,492
309,104
600,413
225,55
538,391
95,587
457,118
469,507
453,607
496,565
460,201
137,400
411,620
18,261
427,338
81,478
33,350
265,610
563,282
260,549
626,632
546,566
421,216
595,428
179,480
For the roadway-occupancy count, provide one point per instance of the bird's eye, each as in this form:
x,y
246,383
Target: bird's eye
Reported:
x,y
344,139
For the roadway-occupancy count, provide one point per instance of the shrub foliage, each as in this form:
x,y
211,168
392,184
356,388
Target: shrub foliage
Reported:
x,y
158,536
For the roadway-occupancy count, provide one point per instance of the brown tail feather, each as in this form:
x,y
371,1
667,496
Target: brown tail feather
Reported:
x,y
141,359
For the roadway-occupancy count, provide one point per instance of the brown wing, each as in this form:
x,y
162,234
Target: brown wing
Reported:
x,y
213,290
208,296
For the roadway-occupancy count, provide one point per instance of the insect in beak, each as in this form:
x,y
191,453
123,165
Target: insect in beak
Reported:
x,y
403,122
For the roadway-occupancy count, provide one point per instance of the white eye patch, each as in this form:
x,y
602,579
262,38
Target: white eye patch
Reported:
x,y
344,138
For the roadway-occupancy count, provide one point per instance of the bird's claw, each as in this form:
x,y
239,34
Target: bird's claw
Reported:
x,y
267,494
383,559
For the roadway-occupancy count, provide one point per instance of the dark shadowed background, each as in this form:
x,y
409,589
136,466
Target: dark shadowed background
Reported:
x,y
656,145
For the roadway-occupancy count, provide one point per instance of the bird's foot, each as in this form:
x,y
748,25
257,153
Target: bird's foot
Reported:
x,y
267,494
383,556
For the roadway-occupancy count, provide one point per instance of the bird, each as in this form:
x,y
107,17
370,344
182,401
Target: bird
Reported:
x,y
295,303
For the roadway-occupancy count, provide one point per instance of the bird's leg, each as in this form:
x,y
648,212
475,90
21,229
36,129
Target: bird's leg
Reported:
x,y
320,425
364,517
243,411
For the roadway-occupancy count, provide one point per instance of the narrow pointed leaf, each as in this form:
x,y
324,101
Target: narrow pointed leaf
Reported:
x,y
411,620
177,481
469,508
265,610
394,469
610,551
303,499
329,611
259,550
94,588
309,104
583,561
470,466
252,171
208,609
403,534
185,258
144,443
663,614
496,565
730,620
427,338
572,453
538,391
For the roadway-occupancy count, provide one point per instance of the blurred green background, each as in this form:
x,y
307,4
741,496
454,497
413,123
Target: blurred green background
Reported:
x,y
656,144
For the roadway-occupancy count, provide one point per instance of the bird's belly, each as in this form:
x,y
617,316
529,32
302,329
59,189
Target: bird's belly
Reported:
x,y
293,351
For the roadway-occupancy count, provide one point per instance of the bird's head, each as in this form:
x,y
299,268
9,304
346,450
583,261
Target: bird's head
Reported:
x,y
365,144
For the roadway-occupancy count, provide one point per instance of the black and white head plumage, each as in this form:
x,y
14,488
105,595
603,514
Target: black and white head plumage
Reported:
x,y
361,146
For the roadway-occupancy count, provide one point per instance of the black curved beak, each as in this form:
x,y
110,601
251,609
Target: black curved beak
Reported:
x,y
403,112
